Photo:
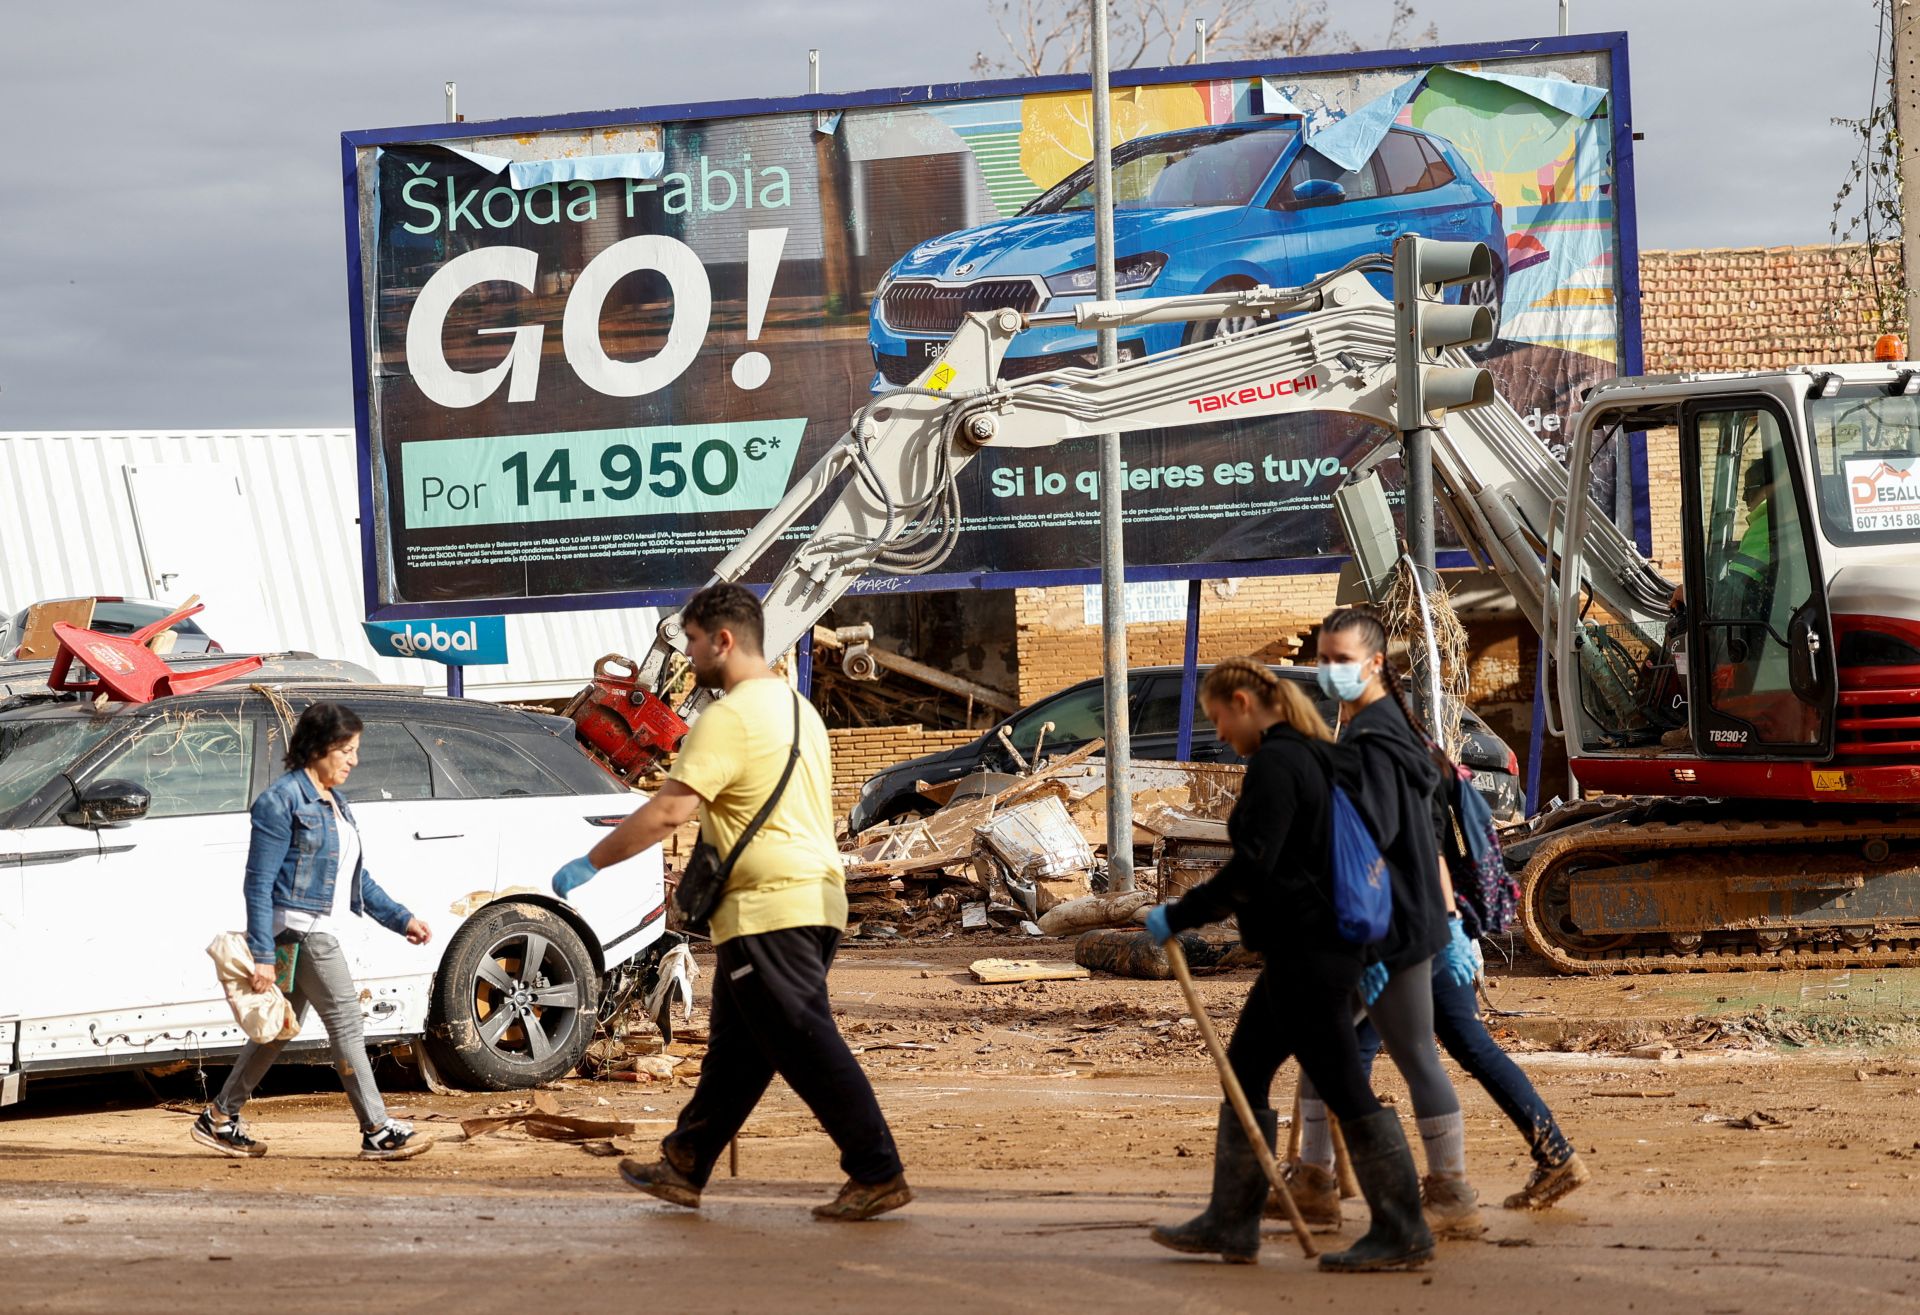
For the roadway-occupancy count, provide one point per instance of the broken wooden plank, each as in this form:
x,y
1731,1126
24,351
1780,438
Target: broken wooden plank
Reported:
x,y
943,681
999,972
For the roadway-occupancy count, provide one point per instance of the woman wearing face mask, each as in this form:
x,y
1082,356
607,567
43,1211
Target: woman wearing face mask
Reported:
x,y
1456,1019
1398,796
1278,885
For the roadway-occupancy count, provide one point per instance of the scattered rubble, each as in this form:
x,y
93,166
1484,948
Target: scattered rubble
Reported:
x,y
542,1117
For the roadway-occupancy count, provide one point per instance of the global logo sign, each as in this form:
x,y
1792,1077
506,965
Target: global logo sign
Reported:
x,y
454,641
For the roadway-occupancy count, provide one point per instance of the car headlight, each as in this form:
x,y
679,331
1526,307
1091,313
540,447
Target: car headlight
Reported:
x,y
1128,273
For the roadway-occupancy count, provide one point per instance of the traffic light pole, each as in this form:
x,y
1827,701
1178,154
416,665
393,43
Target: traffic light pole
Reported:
x,y
1416,456
1423,324
1113,551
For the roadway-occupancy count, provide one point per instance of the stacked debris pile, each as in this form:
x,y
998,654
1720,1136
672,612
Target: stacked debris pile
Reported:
x,y
983,859
1029,853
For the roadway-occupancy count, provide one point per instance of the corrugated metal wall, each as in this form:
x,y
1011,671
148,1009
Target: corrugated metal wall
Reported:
x,y
67,528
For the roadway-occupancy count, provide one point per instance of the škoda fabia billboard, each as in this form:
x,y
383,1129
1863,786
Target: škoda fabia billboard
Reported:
x,y
593,350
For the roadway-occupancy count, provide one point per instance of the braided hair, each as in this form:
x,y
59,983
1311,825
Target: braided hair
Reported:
x,y
1282,697
1371,631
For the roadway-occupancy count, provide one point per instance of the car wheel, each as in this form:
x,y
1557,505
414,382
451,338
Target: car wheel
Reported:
x,y
514,1001
1204,330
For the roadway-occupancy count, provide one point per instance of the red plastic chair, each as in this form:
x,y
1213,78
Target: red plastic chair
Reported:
x,y
126,669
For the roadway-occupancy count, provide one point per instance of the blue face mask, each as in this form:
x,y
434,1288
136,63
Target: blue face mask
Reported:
x,y
1344,681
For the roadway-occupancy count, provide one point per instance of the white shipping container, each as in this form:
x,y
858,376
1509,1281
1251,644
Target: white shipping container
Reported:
x,y
264,526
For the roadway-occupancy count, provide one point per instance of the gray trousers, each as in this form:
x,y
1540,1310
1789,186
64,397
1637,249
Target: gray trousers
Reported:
x,y
1403,1015
321,979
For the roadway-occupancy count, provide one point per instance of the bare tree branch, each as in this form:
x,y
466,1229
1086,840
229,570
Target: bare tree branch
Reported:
x,y
1055,36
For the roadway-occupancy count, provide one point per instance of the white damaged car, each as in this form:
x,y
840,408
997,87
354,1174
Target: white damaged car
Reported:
x,y
123,838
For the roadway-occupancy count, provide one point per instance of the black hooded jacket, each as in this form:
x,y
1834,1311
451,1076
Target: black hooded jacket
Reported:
x,y
1398,795
1279,882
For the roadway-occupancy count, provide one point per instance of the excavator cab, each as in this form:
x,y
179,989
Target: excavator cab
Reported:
x,y
1800,500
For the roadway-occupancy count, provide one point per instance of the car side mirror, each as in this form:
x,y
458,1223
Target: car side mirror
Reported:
x,y
1319,191
104,805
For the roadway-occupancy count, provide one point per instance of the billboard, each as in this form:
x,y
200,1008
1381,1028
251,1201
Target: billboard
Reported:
x,y
591,350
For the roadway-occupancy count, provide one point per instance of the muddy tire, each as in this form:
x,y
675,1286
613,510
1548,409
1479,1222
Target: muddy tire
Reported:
x,y
514,1002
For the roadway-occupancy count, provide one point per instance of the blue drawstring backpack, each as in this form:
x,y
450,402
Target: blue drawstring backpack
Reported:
x,y
1362,890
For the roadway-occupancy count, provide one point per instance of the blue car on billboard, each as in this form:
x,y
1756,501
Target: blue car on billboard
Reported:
x,y
1196,210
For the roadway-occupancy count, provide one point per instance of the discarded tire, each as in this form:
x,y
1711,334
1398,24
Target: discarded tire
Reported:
x,y
1137,954
514,1001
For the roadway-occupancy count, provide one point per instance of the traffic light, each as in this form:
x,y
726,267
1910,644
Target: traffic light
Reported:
x,y
1424,325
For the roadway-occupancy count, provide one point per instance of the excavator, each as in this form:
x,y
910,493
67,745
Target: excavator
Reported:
x,y
1748,735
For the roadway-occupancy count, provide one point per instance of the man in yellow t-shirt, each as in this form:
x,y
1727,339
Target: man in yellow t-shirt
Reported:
x,y
777,926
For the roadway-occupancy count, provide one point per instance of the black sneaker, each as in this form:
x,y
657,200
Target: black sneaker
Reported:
x,y
393,1140
227,1136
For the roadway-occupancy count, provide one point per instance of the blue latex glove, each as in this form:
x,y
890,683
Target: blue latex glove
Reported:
x,y
574,875
1460,962
1157,925
1373,980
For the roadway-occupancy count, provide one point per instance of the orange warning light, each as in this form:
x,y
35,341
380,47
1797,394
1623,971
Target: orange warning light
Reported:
x,y
1888,347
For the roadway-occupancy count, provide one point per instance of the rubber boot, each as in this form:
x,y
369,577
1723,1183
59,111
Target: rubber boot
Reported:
x,y
1315,1192
1397,1237
1230,1225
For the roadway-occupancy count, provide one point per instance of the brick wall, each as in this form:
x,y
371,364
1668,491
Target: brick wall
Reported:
x,y
1762,308
1261,616
860,751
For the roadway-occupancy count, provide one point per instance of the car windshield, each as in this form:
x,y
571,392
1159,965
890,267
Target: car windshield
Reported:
x,y
1177,171
34,749
1866,451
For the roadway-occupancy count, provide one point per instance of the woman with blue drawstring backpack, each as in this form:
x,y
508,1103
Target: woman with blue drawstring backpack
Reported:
x,y
1399,794
1280,886
1354,669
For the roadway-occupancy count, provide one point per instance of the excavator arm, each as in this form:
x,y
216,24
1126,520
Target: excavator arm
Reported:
x,y
1325,347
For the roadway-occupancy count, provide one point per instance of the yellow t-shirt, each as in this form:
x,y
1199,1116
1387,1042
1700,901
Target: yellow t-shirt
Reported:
x,y
789,875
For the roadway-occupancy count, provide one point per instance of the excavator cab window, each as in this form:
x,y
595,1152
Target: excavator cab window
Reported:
x,y
1761,653
1866,449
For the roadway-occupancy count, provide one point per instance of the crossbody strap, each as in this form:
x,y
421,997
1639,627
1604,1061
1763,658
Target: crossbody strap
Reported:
x,y
773,800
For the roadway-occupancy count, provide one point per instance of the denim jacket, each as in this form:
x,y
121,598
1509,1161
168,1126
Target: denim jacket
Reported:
x,y
294,859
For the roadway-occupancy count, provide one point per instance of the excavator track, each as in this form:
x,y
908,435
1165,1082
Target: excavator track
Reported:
x,y
1655,895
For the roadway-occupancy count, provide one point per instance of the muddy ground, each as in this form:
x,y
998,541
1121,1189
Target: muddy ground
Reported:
x,y
1044,1127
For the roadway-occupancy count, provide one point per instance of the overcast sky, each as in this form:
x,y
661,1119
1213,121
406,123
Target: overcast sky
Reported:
x,y
171,243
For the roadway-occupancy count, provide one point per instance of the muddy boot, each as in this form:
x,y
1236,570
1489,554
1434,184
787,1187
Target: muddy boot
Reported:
x,y
662,1178
1547,1184
1316,1192
1230,1225
1451,1206
1397,1237
865,1200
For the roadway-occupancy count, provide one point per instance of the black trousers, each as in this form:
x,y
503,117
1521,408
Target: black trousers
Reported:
x,y
1302,1005
770,1015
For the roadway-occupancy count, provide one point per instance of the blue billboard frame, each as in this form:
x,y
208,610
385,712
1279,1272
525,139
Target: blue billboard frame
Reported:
x,y
1611,44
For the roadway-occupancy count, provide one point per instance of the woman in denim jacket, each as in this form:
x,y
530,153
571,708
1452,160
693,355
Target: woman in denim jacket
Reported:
x,y
305,850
